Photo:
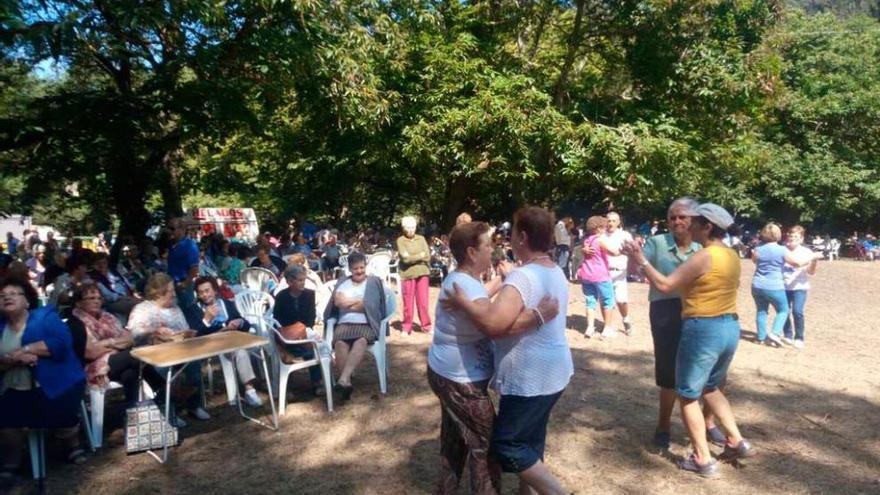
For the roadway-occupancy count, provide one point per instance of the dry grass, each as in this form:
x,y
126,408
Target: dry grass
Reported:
x,y
813,414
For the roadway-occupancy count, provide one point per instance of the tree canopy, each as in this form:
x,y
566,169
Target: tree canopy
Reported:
x,y
358,111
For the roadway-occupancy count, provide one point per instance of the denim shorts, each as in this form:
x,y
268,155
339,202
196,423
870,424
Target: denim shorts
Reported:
x,y
705,351
599,290
520,430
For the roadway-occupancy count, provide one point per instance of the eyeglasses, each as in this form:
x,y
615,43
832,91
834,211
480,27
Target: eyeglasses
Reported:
x,y
10,295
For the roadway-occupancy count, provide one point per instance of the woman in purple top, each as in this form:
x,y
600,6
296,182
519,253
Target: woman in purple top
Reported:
x,y
768,286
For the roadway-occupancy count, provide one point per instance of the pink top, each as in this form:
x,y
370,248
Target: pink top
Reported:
x,y
594,268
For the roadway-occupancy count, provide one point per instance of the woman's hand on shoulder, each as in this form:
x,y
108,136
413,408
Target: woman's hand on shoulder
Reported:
x,y
454,298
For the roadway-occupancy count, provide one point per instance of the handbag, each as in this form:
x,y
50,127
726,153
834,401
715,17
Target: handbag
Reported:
x,y
143,428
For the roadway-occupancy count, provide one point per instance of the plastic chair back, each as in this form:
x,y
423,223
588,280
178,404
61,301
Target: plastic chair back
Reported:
x,y
259,279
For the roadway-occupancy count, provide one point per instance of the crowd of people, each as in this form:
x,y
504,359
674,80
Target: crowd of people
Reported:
x,y
70,318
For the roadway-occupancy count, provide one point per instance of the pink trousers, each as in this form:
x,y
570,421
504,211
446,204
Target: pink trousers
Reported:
x,y
416,288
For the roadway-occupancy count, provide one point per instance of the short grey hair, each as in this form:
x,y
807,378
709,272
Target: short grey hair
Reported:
x,y
689,204
293,272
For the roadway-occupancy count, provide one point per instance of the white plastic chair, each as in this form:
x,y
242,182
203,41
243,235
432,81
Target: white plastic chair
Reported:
x,y
322,359
379,265
95,419
258,279
343,267
255,307
379,349
833,250
37,447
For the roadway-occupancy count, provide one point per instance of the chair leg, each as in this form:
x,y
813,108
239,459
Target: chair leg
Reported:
x,y
282,390
87,424
37,445
96,398
326,372
229,378
379,354
210,390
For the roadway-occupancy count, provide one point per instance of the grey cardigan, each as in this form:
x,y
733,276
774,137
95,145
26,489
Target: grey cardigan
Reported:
x,y
374,302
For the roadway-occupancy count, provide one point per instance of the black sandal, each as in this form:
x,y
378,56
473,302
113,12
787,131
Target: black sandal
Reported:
x,y
77,456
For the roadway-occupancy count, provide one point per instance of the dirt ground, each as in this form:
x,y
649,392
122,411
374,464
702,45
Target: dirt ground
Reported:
x,y
813,415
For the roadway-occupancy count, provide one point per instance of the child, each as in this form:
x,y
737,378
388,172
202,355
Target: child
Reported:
x,y
595,277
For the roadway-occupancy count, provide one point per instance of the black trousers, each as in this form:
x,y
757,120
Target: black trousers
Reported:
x,y
124,370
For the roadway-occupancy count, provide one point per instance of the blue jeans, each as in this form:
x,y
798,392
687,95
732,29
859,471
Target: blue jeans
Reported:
x,y
797,299
763,300
705,351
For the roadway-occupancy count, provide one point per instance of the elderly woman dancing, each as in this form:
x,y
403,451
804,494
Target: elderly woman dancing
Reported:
x,y
708,283
532,368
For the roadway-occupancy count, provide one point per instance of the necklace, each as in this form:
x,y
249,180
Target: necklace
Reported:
x,y
536,258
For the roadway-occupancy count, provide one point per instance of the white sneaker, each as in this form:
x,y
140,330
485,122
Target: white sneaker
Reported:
x,y
609,333
200,413
590,332
787,341
799,344
772,337
251,397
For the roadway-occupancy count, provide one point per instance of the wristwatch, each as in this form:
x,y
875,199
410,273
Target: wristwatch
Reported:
x,y
644,263
27,348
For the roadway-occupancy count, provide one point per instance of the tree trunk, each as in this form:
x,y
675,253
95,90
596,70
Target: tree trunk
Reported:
x,y
129,186
455,200
170,184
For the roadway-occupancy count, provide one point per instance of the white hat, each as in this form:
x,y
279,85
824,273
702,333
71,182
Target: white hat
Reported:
x,y
714,214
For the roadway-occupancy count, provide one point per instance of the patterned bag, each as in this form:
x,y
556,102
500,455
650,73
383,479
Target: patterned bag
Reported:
x,y
143,428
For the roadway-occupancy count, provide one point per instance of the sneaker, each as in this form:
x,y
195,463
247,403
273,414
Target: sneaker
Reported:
x,y
772,337
787,341
609,333
662,439
716,436
179,422
627,328
590,332
798,344
708,470
200,413
742,450
251,397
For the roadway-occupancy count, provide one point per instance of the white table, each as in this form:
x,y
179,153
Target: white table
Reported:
x,y
182,353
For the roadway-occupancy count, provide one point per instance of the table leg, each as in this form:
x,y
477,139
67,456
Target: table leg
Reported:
x,y
269,388
168,381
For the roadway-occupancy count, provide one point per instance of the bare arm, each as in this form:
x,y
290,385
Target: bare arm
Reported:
x,y
493,318
696,266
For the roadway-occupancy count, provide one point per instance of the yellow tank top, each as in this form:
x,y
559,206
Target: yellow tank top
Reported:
x,y
713,293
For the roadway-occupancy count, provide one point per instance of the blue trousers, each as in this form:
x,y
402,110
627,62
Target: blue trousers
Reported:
x,y
763,300
797,299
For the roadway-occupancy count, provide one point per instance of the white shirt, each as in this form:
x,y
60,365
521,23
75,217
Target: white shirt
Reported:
x,y
352,291
536,362
460,352
616,240
561,234
797,278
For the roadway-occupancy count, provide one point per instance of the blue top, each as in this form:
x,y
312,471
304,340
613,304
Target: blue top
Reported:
x,y
62,370
183,256
768,272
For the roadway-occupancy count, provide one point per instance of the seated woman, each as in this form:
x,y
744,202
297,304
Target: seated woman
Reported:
x,y
268,261
313,280
158,319
41,380
107,350
358,304
119,297
295,311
